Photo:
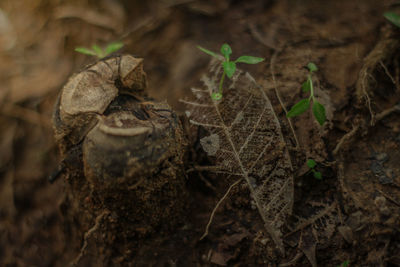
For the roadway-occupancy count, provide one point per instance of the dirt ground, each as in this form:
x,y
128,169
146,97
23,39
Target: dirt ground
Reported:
x,y
352,214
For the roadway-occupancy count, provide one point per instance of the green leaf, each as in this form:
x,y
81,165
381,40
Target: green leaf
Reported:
x,y
211,53
306,86
229,67
317,175
249,60
319,112
99,52
299,108
393,18
312,67
226,51
111,48
216,96
85,51
311,163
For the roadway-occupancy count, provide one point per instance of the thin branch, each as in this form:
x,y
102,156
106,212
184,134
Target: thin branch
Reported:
x,y
389,197
272,70
216,208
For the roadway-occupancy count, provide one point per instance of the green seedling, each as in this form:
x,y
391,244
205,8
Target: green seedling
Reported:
x,y
311,164
97,51
228,66
393,18
344,264
303,105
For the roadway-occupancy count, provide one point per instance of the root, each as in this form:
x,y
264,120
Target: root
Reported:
x,y
345,138
387,72
366,96
387,112
87,235
356,128
382,51
216,208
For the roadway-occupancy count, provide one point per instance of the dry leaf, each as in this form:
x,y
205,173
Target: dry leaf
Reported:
x,y
246,140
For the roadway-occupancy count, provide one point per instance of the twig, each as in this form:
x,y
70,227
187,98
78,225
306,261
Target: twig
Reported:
x,y
206,182
344,138
216,208
292,261
88,235
389,197
272,64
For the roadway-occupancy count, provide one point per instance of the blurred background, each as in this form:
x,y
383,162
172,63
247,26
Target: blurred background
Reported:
x,y
37,41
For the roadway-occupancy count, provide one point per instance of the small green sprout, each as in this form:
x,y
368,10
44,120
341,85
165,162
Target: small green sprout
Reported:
x,y
393,18
311,164
228,66
344,264
97,51
317,108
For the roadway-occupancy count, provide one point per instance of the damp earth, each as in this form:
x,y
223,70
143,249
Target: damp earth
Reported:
x,y
146,169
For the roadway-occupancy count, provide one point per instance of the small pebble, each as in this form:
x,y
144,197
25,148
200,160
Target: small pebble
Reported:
x,y
382,157
376,168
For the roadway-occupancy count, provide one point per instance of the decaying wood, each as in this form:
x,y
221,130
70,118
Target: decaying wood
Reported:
x,y
87,94
123,156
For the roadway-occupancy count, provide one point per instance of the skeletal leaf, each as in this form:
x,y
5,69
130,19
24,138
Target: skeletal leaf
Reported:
x,y
316,229
250,143
308,245
210,144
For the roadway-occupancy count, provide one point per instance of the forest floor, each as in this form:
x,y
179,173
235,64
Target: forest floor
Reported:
x,y
352,214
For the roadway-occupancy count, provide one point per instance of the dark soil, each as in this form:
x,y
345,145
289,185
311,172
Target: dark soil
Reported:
x,y
352,214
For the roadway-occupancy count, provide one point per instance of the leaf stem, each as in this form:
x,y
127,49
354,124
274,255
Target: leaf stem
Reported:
x,y
311,86
221,82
